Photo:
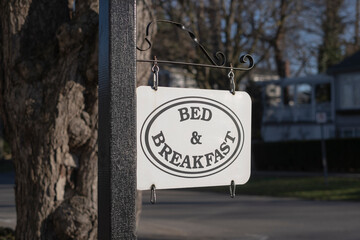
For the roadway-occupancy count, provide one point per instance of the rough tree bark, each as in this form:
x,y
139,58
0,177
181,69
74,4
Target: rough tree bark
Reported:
x,y
49,105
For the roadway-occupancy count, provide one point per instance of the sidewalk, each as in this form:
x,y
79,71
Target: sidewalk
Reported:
x,y
7,200
7,206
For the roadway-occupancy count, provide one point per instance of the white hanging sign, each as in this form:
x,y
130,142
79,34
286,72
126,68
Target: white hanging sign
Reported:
x,y
192,137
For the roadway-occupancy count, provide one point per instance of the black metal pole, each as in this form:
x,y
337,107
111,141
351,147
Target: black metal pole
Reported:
x,y
117,120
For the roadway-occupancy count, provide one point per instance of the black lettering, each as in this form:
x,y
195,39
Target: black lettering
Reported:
x,y
208,117
159,139
195,113
228,137
186,161
184,115
167,150
209,159
197,162
224,148
175,158
218,156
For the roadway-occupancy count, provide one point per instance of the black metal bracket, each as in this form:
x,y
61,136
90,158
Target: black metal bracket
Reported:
x,y
219,60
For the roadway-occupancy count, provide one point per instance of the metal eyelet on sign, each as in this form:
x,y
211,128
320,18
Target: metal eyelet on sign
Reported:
x,y
153,194
155,69
232,189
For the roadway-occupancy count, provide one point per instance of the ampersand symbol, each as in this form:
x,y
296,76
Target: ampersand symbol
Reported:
x,y
195,138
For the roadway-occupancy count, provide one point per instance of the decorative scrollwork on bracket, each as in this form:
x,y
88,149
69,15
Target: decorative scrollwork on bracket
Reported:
x,y
218,61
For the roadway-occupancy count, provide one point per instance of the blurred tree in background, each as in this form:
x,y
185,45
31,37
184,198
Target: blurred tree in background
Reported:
x,y
291,37
332,26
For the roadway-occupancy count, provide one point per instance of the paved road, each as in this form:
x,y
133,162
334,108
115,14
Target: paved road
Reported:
x,y
188,215
201,215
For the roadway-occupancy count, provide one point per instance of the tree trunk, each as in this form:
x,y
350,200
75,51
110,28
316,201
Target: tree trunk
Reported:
x,y
279,40
50,112
49,105
332,28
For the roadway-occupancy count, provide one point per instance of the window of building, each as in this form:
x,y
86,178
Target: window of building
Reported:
x,y
303,93
348,91
323,93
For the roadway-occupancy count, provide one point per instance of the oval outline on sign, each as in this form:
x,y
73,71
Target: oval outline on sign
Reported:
x,y
186,100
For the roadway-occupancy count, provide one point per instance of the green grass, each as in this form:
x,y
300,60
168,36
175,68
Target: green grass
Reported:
x,y
313,188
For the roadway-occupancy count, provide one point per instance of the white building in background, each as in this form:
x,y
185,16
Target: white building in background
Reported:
x,y
347,92
291,105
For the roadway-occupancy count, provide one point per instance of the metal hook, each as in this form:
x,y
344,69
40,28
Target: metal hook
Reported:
x,y
231,77
155,69
232,189
153,194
